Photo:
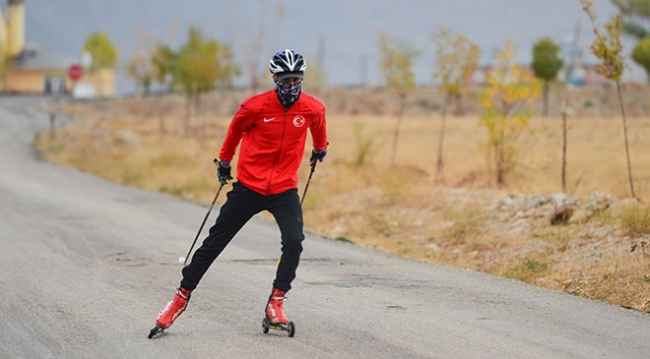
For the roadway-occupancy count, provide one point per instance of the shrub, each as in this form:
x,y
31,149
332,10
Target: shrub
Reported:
x,y
635,219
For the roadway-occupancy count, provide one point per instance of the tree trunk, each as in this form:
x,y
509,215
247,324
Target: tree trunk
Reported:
x,y
52,125
545,99
627,149
564,137
188,114
161,123
501,148
197,114
441,138
397,127
501,166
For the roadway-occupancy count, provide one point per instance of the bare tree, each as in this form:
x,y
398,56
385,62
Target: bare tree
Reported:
x,y
396,64
456,61
608,48
253,47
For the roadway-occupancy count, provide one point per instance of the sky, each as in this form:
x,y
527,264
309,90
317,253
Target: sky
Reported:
x,y
340,34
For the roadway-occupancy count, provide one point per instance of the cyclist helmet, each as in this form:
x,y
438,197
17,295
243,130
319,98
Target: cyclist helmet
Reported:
x,y
287,63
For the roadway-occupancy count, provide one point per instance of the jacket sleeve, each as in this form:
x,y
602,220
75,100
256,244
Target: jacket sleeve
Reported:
x,y
241,122
318,130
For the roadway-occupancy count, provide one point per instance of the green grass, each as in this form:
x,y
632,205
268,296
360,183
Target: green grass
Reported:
x,y
528,270
344,239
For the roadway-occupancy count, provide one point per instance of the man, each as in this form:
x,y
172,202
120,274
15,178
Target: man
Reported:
x,y
272,128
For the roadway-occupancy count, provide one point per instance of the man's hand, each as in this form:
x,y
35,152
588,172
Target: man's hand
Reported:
x,y
317,156
223,172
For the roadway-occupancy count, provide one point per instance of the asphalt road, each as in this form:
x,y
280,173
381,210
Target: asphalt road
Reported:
x,y
86,265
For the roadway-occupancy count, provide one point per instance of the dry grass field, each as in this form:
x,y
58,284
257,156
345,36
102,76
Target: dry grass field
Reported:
x,y
357,195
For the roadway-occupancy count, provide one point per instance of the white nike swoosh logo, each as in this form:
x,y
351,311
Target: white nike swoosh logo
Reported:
x,y
269,119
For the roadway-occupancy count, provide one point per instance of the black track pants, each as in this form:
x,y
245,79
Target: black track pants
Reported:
x,y
242,204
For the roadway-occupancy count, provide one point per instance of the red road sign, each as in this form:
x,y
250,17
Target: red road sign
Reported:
x,y
75,72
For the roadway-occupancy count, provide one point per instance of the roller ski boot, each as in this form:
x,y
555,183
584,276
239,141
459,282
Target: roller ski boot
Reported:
x,y
275,318
171,311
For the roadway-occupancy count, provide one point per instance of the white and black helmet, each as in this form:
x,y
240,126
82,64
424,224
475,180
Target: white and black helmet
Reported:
x,y
287,63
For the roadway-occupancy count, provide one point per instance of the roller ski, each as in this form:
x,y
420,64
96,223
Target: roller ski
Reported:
x,y
274,314
171,311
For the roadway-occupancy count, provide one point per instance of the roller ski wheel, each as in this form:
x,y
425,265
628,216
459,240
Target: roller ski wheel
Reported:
x,y
290,328
157,330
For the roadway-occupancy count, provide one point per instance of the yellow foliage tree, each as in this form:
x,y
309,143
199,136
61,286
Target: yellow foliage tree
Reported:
x,y
506,103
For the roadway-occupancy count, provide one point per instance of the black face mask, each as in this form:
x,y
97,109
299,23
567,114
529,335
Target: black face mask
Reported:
x,y
287,94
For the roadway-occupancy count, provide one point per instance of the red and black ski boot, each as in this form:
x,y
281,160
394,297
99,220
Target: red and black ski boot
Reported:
x,y
171,311
274,314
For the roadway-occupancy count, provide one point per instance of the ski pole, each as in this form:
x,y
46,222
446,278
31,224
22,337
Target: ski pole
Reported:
x,y
214,200
313,168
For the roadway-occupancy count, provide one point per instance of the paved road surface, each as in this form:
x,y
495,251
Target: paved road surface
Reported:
x,y
86,265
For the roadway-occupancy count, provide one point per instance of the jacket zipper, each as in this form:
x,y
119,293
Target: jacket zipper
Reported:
x,y
277,157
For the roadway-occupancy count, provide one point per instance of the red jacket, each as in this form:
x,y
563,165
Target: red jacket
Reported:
x,y
273,140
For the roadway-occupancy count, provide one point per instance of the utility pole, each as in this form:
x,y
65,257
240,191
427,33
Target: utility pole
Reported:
x,y
572,53
364,70
320,58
